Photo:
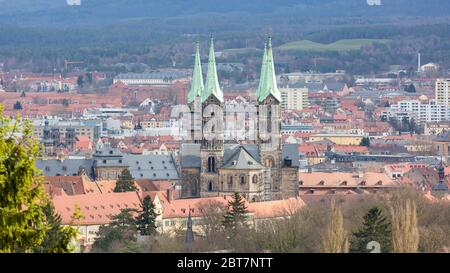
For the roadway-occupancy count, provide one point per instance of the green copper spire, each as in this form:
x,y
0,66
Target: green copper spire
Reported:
x,y
212,83
197,77
263,72
269,85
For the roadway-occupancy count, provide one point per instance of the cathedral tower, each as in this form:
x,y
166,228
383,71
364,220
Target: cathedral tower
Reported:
x,y
269,124
212,120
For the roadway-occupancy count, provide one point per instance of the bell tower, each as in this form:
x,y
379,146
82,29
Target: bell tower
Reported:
x,y
211,149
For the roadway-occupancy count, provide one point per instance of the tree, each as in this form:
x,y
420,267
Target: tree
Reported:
x,y
376,227
335,239
405,231
146,218
365,142
410,88
125,182
80,81
57,238
116,236
27,219
22,219
235,218
17,106
65,102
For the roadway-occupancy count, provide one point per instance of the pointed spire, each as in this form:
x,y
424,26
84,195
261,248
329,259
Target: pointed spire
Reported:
x,y
197,77
269,85
189,232
263,71
212,86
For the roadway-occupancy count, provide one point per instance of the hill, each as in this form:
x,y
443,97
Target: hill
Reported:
x,y
341,45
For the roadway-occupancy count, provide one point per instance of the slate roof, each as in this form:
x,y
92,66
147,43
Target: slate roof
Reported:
x,y
67,167
241,159
156,167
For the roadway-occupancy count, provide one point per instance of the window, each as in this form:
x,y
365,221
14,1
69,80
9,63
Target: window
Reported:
x,y
210,186
255,179
269,162
242,179
64,168
230,183
211,164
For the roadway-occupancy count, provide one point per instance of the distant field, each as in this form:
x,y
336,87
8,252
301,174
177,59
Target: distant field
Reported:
x,y
341,45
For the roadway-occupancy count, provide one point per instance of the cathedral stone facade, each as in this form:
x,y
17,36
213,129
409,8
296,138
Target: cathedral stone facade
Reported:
x,y
262,169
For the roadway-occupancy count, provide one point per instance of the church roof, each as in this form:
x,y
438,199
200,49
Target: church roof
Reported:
x,y
241,159
197,78
212,87
268,81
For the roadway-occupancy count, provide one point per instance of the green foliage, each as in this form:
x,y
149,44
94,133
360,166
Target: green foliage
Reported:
x,y
22,220
376,227
236,217
365,142
17,106
118,234
58,238
80,81
125,182
27,219
146,218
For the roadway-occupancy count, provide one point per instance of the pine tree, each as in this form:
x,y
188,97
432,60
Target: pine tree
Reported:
x,y
147,217
236,217
405,231
57,238
17,106
120,232
125,182
365,141
335,239
22,219
376,227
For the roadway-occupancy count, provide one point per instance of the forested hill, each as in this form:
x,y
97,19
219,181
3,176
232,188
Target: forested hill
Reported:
x,y
32,12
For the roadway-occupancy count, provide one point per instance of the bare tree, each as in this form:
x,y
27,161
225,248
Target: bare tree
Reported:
x,y
405,231
335,239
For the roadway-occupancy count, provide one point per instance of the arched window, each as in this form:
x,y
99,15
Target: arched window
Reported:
x,y
255,179
269,162
242,179
211,164
210,186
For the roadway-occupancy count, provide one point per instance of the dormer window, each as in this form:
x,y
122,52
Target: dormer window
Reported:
x,y
321,183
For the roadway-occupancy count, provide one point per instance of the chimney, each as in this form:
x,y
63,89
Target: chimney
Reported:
x,y
169,192
418,62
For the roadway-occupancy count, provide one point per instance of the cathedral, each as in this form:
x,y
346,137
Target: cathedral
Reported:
x,y
262,169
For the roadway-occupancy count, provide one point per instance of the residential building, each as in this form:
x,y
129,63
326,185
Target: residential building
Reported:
x,y
294,98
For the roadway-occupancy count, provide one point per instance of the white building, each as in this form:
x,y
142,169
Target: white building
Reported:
x,y
442,91
294,98
421,112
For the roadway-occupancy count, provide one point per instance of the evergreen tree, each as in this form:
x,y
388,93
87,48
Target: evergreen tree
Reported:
x,y
365,142
57,238
119,233
125,182
146,218
376,227
22,219
17,106
236,217
80,81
